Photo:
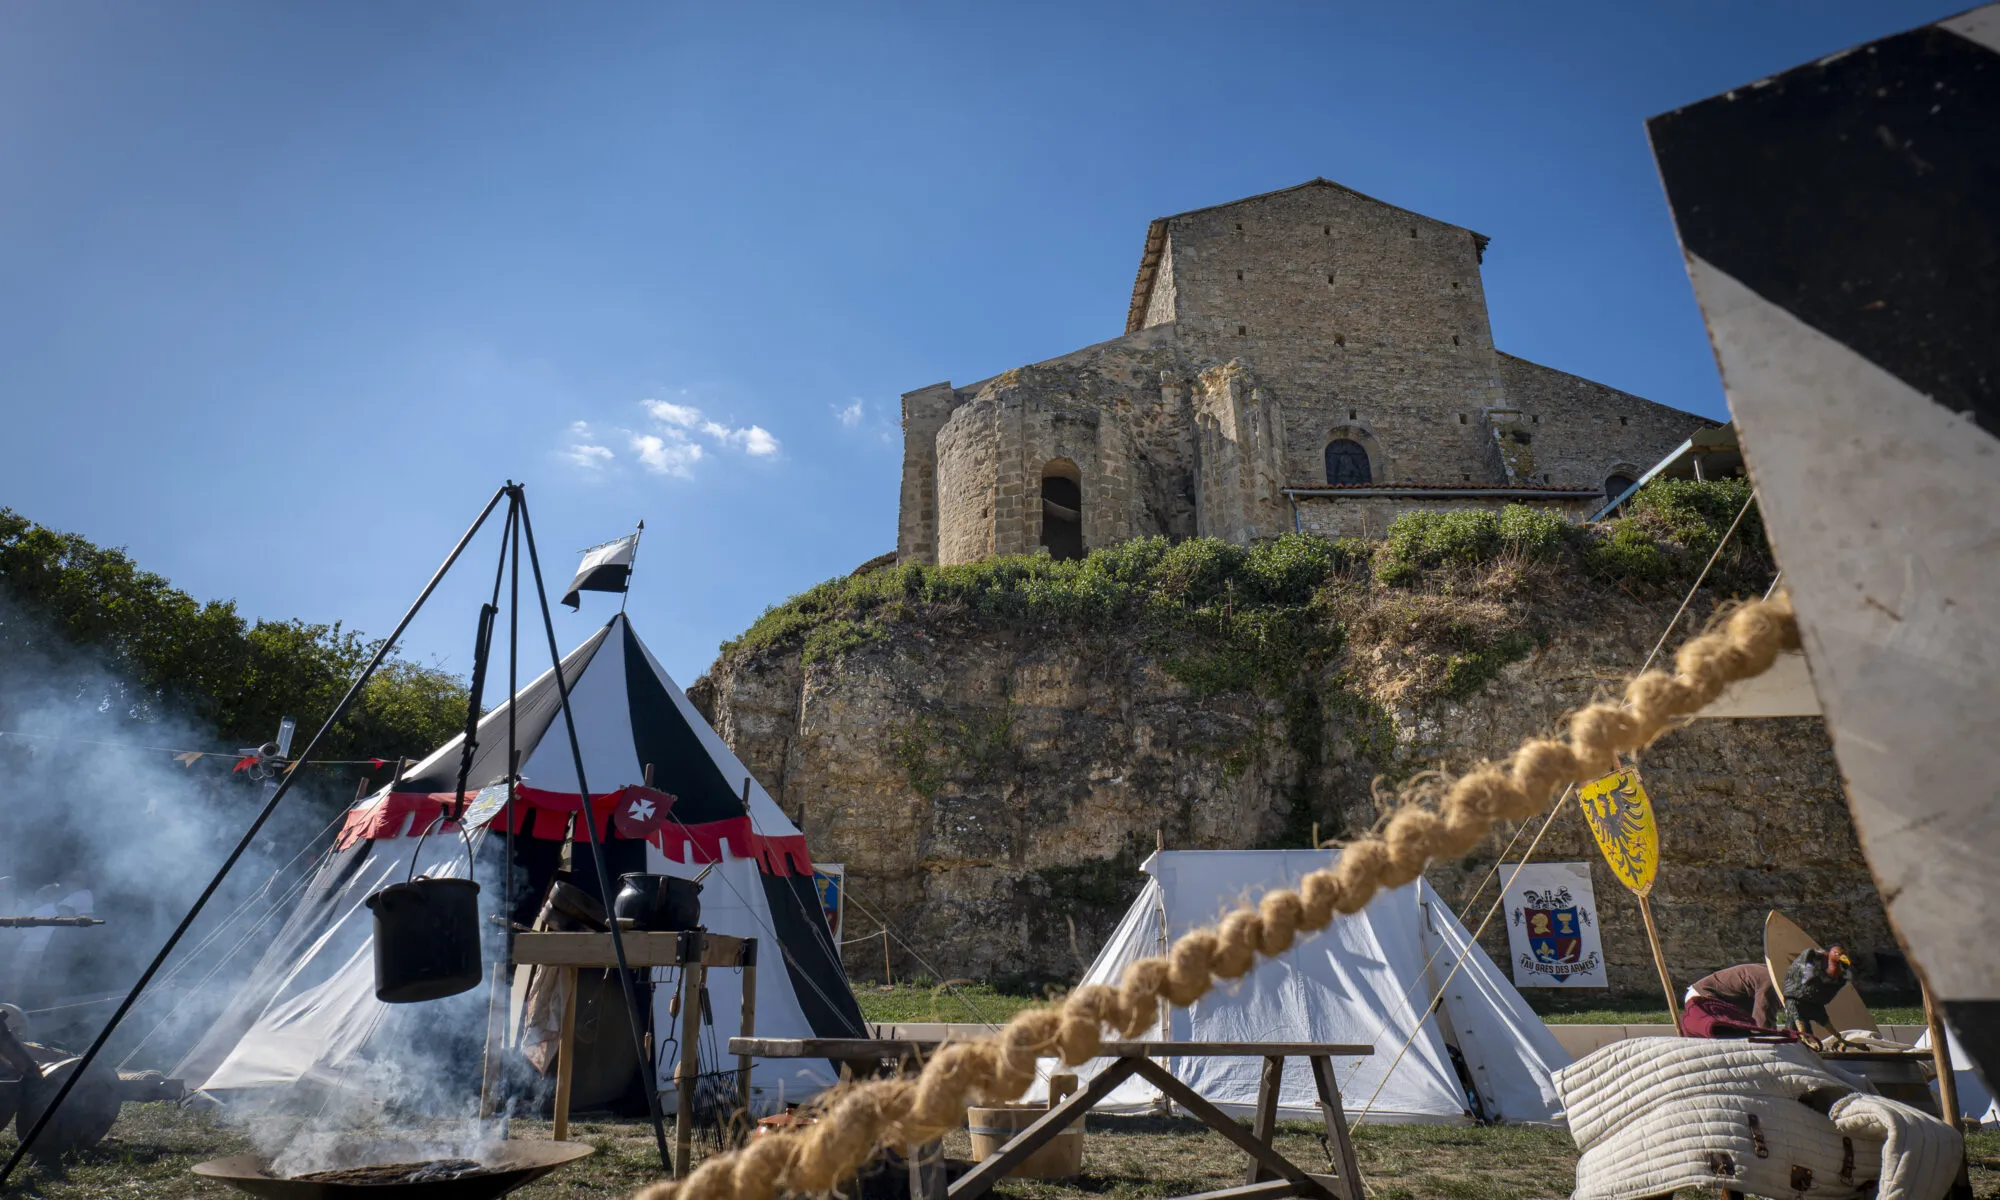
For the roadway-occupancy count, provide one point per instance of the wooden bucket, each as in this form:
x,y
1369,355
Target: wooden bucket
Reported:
x,y
1060,1158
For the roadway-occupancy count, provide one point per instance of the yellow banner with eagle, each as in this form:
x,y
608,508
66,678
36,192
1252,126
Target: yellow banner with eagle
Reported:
x,y
1621,818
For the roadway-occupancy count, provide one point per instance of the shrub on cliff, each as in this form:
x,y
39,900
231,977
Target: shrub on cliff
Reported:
x,y
1419,540
1671,528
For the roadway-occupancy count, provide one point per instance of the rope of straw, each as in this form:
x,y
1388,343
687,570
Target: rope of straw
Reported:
x,y
1423,973
1417,1026
1551,820
855,1121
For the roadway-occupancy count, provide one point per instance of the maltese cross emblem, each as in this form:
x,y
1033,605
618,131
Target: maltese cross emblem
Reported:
x,y
641,813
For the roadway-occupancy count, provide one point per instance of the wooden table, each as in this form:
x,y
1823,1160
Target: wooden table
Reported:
x,y
1269,1175
694,951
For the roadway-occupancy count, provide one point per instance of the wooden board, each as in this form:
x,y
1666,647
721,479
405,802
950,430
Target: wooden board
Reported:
x,y
1785,941
852,1048
641,950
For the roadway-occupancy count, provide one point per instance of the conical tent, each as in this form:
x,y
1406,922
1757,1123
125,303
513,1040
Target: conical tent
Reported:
x,y
1368,979
308,1010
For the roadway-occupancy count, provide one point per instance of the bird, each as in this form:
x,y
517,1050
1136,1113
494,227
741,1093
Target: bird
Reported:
x,y
1815,977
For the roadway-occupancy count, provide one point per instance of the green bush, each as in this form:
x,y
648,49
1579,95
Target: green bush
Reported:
x,y
1420,540
1289,570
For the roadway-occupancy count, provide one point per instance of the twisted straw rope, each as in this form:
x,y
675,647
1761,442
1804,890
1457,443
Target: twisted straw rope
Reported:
x,y
913,1110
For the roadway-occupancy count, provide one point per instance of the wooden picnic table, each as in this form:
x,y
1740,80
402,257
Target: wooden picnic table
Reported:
x,y
694,951
1270,1174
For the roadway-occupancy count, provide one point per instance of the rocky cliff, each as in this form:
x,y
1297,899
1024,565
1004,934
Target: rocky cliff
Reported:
x,y
993,748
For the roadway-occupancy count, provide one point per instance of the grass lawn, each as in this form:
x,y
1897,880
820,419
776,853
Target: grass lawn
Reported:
x,y
1557,1007
153,1145
924,1000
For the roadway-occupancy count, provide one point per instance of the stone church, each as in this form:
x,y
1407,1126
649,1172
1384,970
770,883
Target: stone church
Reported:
x,y
1308,359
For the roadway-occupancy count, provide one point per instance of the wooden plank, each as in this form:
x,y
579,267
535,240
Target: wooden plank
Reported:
x,y
1334,1184
1336,1125
1224,1124
863,1048
641,949
565,1056
980,1179
1266,1123
747,1022
693,976
1268,1190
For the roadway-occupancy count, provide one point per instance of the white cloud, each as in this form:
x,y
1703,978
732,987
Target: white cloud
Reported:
x,y
672,455
589,456
753,440
686,416
672,447
850,416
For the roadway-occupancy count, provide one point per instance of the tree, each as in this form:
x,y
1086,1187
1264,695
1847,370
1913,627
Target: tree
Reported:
x,y
158,652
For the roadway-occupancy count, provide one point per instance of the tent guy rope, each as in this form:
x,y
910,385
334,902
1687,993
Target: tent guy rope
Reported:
x,y
858,1120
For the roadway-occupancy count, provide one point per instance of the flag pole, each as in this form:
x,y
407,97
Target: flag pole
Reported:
x,y
631,566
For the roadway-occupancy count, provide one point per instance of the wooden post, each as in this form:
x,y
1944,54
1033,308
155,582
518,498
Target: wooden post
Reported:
x,y
1660,961
693,976
1941,1057
747,1028
1315,841
565,1056
886,977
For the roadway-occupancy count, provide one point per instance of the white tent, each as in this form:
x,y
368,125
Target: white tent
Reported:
x,y
670,799
1366,980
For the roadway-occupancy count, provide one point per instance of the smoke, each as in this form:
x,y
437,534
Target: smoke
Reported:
x,y
95,817
95,810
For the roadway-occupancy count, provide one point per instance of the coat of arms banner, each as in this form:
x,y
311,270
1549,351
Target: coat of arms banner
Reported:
x,y
1552,935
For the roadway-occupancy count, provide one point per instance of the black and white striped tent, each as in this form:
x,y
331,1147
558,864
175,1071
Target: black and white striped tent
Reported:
x,y
308,1011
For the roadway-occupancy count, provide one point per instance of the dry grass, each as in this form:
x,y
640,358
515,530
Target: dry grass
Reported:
x,y
1127,1158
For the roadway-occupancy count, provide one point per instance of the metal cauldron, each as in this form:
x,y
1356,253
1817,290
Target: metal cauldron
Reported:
x,y
426,939
658,902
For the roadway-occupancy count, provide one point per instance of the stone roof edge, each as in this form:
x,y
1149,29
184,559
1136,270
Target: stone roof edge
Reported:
x,y
1710,421
1156,236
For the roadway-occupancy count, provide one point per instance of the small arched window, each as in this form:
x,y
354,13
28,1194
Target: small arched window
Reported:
x,y
1347,462
1062,510
1616,484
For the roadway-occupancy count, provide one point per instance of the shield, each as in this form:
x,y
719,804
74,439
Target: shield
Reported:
x,y
1621,818
1553,934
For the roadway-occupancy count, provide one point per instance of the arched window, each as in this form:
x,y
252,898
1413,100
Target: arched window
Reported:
x,y
1062,510
1347,462
1616,484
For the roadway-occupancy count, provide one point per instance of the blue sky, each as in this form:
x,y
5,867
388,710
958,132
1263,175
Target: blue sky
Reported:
x,y
287,289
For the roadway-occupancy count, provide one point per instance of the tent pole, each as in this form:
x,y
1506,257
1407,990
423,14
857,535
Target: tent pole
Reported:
x,y
519,493
82,1068
1660,962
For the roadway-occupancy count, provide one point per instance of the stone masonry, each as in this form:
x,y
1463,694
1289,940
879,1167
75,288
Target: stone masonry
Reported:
x,y
1260,333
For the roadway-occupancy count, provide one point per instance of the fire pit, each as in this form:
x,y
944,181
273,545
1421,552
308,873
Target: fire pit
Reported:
x,y
404,1173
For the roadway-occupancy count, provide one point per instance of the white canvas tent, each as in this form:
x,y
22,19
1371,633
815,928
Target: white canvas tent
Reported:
x,y
1365,980
308,1012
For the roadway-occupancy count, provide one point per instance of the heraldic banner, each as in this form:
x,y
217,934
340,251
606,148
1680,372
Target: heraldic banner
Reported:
x,y
1552,934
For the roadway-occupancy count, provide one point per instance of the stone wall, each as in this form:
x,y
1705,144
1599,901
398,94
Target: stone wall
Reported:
x,y
1583,431
992,786
1352,312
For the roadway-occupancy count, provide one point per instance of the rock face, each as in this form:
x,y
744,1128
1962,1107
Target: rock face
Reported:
x,y
993,785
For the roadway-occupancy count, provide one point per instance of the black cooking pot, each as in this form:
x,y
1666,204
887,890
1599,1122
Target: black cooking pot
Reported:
x,y
426,939
658,902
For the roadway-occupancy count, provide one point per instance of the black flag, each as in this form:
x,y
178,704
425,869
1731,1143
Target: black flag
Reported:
x,y
605,568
